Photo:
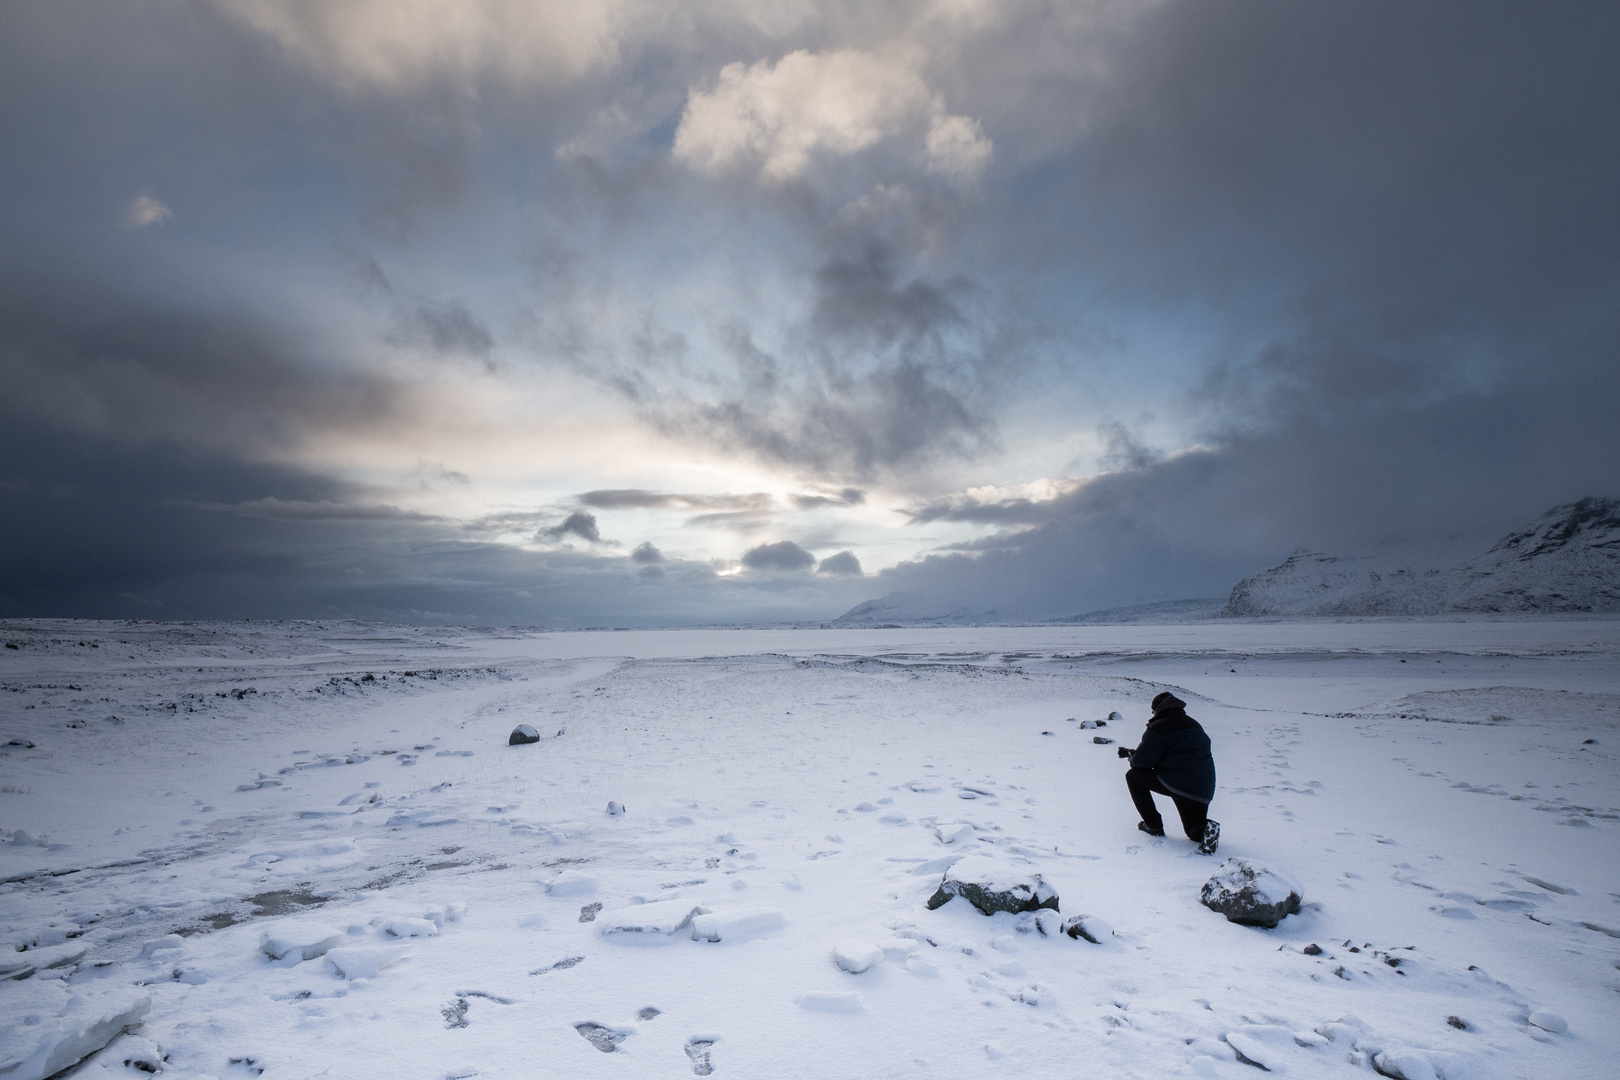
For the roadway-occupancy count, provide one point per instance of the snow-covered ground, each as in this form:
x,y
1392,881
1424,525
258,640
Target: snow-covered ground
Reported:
x,y
1445,793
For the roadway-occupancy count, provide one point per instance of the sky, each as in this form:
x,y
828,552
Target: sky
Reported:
x,y
628,313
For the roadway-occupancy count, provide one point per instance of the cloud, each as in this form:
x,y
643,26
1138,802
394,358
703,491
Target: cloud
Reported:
x,y
580,524
779,117
646,553
444,326
843,564
784,556
387,45
641,499
846,497
145,210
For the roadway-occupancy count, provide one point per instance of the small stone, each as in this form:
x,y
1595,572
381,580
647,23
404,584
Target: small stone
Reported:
x,y
523,733
1101,740
1457,1022
1313,949
1088,928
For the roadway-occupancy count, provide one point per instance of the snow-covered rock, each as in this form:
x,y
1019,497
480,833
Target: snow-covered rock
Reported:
x,y
303,937
571,883
1251,895
993,886
523,733
736,924
658,921
858,956
365,962
405,927
1412,1063
1547,1020
1568,560
52,1027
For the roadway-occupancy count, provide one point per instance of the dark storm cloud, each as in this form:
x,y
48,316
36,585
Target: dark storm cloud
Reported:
x,y
445,326
645,552
843,564
784,556
579,524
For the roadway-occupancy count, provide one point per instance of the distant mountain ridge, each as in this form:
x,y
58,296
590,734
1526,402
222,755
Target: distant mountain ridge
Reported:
x,y
1568,560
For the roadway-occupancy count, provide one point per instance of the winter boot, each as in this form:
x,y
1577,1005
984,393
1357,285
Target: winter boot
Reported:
x,y
1212,838
1150,830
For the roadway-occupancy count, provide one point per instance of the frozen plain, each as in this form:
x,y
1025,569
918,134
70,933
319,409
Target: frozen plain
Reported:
x,y
1429,783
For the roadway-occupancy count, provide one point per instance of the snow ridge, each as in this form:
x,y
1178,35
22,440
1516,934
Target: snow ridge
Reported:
x,y
1568,560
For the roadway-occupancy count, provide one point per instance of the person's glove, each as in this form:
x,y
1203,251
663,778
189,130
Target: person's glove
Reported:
x,y
1124,751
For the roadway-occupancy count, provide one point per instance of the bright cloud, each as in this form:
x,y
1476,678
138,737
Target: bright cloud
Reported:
x,y
144,210
780,116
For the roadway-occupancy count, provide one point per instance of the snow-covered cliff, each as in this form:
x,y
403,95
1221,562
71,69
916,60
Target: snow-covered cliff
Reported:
x,y
1566,561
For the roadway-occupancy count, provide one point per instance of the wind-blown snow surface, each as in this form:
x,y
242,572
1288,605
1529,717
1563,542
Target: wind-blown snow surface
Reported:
x,y
791,793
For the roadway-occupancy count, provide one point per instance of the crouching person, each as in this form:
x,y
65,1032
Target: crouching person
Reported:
x,y
1174,759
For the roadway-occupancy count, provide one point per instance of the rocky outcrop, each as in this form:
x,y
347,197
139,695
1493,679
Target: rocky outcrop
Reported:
x,y
1568,560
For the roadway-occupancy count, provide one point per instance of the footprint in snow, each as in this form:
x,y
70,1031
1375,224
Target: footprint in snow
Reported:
x,y
698,1051
455,1014
589,912
604,1038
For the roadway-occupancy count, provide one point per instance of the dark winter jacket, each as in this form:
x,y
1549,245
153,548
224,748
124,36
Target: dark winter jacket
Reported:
x,y
1176,748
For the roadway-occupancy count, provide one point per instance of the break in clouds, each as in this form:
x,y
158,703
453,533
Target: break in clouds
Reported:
x,y
627,313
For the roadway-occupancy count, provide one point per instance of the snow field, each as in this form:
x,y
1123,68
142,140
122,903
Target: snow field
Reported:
x,y
800,805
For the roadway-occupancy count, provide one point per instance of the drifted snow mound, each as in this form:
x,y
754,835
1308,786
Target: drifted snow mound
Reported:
x,y
991,886
303,937
1251,895
657,922
1568,560
53,1028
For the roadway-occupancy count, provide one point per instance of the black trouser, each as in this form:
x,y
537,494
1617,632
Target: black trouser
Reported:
x,y
1144,782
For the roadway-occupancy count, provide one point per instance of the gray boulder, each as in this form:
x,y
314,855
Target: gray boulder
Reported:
x,y
1251,895
521,734
992,886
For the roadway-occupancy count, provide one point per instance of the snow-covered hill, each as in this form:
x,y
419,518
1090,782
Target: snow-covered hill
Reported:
x,y
1566,561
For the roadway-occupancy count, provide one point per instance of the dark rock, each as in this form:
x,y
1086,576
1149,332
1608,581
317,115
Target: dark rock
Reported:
x,y
1088,928
1313,949
992,886
1251,895
522,734
1101,740
1457,1022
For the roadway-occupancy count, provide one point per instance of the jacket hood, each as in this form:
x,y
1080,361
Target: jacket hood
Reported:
x,y
1167,702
